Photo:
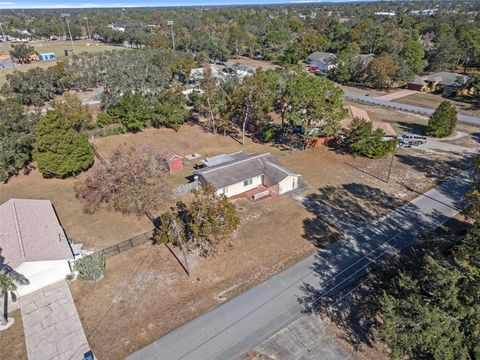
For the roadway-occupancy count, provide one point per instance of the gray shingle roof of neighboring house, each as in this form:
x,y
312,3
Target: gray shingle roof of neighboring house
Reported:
x,y
30,231
321,56
242,167
445,78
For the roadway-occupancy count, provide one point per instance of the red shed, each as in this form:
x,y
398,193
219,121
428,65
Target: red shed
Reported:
x,y
174,162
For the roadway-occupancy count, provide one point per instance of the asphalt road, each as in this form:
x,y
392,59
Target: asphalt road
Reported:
x,y
405,107
231,329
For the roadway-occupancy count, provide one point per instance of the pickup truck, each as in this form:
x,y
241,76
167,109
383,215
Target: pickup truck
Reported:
x,y
408,140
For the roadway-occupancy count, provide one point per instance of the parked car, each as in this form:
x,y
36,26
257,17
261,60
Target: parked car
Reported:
x,y
408,140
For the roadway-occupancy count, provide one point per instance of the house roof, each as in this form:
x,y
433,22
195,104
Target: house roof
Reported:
x,y
30,231
355,112
444,78
242,167
321,56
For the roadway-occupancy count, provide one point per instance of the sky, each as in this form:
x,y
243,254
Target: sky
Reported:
x,y
61,4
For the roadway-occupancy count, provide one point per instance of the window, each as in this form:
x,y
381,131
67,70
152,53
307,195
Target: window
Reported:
x,y
225,190
247,182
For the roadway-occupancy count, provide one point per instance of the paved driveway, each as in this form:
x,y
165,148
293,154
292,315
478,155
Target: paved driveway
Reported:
x,y
396,95
240,324
51,324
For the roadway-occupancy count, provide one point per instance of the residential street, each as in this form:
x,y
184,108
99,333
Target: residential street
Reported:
x,y
236,326
405,107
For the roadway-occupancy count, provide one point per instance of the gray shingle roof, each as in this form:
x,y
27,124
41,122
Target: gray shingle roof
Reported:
x,y
242,168
30,231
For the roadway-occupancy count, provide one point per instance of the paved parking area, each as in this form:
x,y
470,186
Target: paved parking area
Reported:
x,y
51,324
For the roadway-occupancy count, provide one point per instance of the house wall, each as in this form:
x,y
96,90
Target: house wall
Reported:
x,y
239,188
41,274
288,184
319,65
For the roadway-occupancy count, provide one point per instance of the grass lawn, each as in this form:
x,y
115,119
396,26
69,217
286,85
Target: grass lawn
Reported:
x,y
138,299
433,100
52,46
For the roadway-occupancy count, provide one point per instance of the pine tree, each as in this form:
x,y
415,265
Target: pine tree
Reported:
x,y
443,121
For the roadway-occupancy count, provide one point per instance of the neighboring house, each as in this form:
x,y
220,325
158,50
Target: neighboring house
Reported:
x,y
47,56
6,61
238,173
355,112
241,70
33,243
321,61
449,83
196,74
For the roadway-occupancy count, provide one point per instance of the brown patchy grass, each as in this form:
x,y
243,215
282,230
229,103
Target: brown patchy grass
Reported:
x,y
12,340
433,100
147,283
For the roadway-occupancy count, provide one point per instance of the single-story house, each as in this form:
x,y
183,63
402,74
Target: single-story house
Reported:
x,y
33,243
47,56
197,73
355,112
449,83
321,61
240,172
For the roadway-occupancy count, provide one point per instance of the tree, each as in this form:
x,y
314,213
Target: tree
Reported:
x,y
427,303
443,121
22,53
170,110
381,71
7,289
132,112
252,101
347,65
208,219
132,181
362,140
315,102
413,54
17,138
61,150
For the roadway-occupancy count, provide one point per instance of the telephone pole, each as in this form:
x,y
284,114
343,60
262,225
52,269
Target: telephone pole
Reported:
x,y
88,28
170,23
66,16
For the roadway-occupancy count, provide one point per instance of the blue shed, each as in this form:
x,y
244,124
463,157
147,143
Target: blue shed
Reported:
x,y
47,56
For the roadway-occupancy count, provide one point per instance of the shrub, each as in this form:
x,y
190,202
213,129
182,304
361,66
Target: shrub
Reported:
x,y
268,134
443,121
92,267
361,140
104,119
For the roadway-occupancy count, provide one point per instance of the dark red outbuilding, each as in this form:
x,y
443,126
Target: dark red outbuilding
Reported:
x,y
174,162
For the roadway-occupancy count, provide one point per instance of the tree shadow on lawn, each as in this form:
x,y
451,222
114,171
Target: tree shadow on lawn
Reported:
x,y
418,129
340,209
435,168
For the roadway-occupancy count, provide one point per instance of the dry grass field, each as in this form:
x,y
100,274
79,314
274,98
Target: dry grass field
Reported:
x,y
12,340
57,47
147,282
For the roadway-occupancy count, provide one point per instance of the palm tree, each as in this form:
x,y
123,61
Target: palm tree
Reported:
x,y
7,287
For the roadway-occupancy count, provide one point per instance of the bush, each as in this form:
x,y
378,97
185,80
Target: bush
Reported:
x,y
361,140
104,119
92,267
443,121
268,134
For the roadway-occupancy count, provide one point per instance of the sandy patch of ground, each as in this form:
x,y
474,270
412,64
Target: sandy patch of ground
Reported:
x,y
12,340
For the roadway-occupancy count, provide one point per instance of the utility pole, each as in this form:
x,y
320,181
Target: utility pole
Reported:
x,y
3,33
88,28
66,16
170,23
391,161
